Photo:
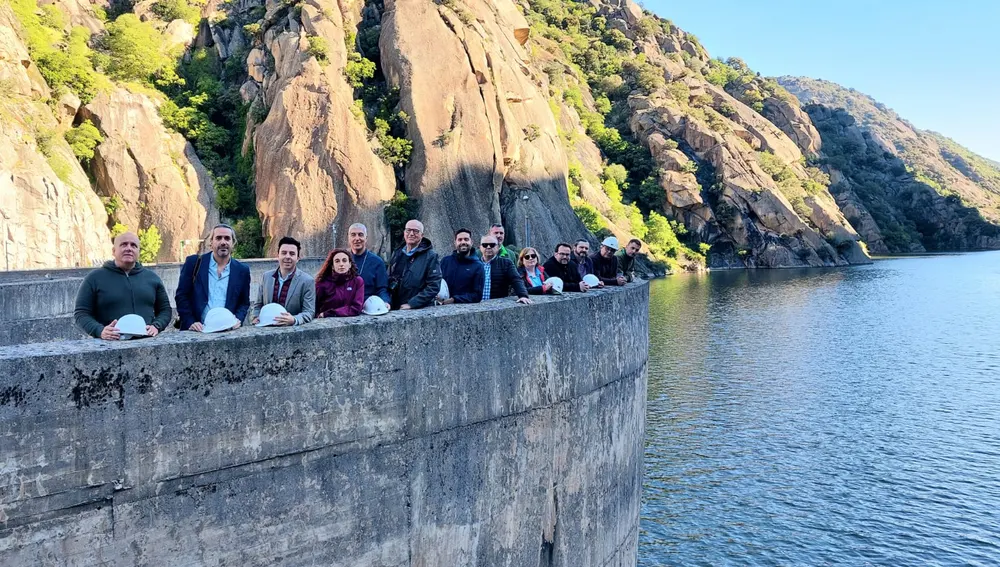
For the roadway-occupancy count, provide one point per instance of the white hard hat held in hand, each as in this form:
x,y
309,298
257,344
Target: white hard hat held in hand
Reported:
x,y
557,284
375,306
218,319
443,294
268,314
591,280
131,326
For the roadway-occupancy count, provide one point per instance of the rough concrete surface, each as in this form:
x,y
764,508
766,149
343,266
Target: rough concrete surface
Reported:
x,y
490,434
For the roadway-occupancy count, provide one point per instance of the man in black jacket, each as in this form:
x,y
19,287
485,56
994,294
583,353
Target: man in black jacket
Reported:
x,y
462,271
121,287
501,275
606,264
561,266
414,271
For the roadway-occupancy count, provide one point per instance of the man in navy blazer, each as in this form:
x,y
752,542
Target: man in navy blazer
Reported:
x,y
213,280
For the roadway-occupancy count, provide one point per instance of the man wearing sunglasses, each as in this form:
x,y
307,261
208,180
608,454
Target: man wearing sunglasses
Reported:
x,y
501,275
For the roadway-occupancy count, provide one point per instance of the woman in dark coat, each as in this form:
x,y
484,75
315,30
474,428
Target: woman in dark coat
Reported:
x,y
531,271
340,291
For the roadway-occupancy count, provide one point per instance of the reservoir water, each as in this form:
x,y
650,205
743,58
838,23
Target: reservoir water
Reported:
x,y
825,417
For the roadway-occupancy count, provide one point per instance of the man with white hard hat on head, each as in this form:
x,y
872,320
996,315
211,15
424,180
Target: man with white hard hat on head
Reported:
x,y
119,288
606,265
287,287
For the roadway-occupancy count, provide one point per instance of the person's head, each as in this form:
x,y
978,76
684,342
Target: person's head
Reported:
x,y
463,241
632,248
497,232
562,253
582,248
126,250
609,246
412,233
528,258
489,247
222,240
288,253
357,237
338,262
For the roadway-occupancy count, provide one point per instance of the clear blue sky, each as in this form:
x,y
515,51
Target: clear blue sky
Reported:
x,y
935,63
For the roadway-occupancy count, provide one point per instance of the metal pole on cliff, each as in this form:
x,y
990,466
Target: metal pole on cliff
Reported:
x,y
527,233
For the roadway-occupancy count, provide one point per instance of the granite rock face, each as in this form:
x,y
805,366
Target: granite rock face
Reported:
x,y
49,217
153,172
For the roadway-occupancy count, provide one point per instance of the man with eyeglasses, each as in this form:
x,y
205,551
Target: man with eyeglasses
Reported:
x,y
213,280
500,273
462,271
561,266
414,271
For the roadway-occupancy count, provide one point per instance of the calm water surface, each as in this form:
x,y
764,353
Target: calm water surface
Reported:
x,y
826,417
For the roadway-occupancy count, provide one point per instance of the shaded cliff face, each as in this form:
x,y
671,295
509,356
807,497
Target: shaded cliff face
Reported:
x,y
49,217
486,146
908,189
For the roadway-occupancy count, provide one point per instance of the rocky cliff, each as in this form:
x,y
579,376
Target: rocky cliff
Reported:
x,y
559,119
903,189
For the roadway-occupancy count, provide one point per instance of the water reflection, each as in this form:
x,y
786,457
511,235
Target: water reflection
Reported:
x,y
826,416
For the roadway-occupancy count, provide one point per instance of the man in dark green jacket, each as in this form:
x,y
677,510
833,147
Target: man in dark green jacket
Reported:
x,y
121,287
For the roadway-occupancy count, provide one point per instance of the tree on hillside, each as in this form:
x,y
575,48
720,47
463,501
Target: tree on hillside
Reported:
x,y
135,49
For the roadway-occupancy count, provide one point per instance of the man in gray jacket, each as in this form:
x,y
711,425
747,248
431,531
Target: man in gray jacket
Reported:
x,y
288,286
121,287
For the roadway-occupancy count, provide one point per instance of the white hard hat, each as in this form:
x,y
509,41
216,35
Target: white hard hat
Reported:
x,y
374,306
269,312
131,326
591,280
557,284
218,319
610,242
443,293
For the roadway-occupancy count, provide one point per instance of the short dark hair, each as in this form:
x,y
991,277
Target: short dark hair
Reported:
x,y
584,240
635,240
561,244
465,230
496,225
289,240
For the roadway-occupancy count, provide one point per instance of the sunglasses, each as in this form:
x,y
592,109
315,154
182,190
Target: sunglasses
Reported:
x,y
488,245
531,256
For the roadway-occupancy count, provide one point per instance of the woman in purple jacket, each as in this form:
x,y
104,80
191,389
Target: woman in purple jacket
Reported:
x,y
340,291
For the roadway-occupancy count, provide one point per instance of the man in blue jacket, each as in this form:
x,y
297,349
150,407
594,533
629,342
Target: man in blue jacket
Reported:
x,y
371,268
463,272
213,280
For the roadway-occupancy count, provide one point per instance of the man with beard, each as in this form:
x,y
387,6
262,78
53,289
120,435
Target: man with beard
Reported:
x,y
626,259
414,271
584,265
462,271
287,286
606,265
561,266
371,267
213,280
121,287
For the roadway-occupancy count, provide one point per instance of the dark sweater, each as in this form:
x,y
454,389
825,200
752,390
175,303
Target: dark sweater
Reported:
x,y
606,269
372,269
465,277
108,293
568,273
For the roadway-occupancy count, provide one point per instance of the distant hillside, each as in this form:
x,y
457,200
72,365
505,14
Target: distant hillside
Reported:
x,y
903,189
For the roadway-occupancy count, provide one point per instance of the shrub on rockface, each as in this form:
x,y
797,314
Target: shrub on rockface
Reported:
x,y
135,49
83,139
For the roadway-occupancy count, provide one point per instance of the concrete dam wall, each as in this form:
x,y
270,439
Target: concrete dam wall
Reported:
x,y
490,434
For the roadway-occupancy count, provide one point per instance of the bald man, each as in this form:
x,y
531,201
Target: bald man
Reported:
x,y
121,287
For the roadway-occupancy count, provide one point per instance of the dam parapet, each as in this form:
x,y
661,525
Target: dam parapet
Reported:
x,y
487,434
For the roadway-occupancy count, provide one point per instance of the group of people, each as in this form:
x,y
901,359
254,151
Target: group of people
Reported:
x,y
123,300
